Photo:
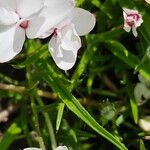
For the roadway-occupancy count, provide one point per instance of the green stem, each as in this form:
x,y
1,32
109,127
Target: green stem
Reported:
x,y
35,119
49,125
34,110
24,120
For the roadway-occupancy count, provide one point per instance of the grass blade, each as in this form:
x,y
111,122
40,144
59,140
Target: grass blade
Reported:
x,y
51,77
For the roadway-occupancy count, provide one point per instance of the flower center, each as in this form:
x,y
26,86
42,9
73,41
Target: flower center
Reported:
x,y
24,24
56,31
132,19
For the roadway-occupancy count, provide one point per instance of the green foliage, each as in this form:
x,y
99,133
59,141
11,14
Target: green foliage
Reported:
x,y
92,106
10,135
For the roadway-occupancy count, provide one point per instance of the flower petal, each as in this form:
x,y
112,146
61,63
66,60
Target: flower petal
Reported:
x,y
144,123
130,11
127,28
124,16
11,42
32,148
26,8
134,31
83,20
70,39
34,27
54,13
11,4
144,80
140,21
8,17
61,148
148,1
140,91
64,48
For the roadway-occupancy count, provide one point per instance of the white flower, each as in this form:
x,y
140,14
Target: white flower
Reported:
x,y
31,18
132,20
15,19
58,148
148,1
53,13
65,41
142,89
144,123
61,148
32,148
42,18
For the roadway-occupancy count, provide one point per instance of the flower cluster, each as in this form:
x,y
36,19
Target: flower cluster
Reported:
x,y
60,19
42,18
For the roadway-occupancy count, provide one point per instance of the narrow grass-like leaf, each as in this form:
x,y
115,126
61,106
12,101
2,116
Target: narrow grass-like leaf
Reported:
x,y
122,53
33,58
142,146
10,135
134,106
50,76
59,115
93,41
83,63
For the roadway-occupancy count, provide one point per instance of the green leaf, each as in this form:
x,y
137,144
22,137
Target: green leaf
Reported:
x,y
33,58
142,146
82,65
93,41
134,106
97,3
50,76
11,134
122,53
90,83
80,2
59,115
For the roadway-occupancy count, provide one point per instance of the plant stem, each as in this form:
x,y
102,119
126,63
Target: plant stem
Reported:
x,y
34,110
50,95
49,124
35,119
